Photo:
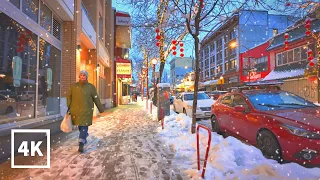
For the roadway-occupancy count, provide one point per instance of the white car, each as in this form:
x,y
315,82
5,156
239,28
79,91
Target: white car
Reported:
x,y
183,104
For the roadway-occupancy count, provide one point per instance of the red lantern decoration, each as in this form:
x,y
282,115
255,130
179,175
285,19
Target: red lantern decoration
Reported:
x,y
308,26
158,44
308,32
310,58
181,44
286,48
158,37
286,42
181,49
286,35
308,21
157,30
311,64
181,55
174,41
174,47
309,52
174,53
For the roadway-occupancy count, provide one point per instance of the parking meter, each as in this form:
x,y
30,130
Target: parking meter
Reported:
x,y
163,102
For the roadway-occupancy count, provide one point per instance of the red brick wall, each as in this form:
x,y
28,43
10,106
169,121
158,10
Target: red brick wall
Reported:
x,y
69,70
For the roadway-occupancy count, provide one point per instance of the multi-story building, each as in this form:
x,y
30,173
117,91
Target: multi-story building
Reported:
x,y
221,48
292,65
179,67
43,46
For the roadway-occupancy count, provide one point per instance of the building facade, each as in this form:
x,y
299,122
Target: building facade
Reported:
x,y
292,65
255,63
179,67
43,46
221,48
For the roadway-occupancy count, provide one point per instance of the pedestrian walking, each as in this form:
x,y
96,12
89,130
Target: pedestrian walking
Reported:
x,y
81,98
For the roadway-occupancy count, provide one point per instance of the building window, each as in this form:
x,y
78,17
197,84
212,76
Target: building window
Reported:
x,y
45,17
275,32
226,66
226,50
16,3
18,70
233,64
290,56
279,59
233,34
226,39
297,54
212,72
49,78
31,9
261,64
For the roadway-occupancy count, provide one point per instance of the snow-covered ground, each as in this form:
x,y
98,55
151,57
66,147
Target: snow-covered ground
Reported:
x,y
229,158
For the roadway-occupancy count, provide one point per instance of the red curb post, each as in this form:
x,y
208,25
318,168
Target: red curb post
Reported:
x,y
146,103
198,149
162,117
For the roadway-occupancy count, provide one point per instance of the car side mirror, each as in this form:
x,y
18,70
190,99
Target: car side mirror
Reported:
x,y
240,109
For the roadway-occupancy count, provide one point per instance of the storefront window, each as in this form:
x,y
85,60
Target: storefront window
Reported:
x,y
45,17
49,79
18,65
31,8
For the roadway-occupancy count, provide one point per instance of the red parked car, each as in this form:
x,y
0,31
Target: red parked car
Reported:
x,y
284,126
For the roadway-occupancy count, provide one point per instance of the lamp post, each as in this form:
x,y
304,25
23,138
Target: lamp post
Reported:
x,y
154,61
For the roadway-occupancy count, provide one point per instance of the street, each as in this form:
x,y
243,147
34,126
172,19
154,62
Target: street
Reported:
x,y
123,144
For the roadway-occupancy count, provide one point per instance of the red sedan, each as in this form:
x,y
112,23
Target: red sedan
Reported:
x,y
282,125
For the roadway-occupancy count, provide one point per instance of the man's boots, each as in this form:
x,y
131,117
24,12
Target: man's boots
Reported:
x,y
80,147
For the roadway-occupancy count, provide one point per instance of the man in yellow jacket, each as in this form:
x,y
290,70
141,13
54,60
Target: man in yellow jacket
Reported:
x,y
81,98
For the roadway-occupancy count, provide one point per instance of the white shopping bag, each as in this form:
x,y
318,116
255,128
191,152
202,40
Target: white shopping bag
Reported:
x,y
66,124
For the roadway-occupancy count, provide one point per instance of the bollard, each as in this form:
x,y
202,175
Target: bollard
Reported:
x,y
207,151
151,107
162,117
146,103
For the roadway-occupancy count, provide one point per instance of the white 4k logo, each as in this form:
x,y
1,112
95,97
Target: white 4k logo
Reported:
x,y
34,148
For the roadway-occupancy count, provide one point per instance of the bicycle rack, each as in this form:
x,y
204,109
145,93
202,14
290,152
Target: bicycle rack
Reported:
x,y
198,149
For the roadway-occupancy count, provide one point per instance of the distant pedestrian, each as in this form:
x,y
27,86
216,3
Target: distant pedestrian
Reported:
x,y
80,99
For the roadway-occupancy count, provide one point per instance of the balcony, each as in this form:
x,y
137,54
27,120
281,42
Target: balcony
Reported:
x,y
103,54
88,28
63,8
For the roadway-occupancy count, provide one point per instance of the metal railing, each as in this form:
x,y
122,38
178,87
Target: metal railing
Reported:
x,y
207,150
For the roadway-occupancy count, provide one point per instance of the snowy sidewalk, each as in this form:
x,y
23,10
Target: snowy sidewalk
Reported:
x,y
123,144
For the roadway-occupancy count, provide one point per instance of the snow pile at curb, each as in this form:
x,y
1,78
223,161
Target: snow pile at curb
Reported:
x,y
144,104
229,158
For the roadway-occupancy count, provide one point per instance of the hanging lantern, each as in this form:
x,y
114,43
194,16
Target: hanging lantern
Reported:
x,y
181,55
157,30
174,47
308,33
286,35
158,44
309,52
174,53
181,49
286,48
308,26
174,41
158,37
286,42
310,58
311,64
181,44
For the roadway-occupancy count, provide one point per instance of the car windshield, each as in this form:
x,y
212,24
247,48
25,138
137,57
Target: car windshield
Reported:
x,y
278,101
201,96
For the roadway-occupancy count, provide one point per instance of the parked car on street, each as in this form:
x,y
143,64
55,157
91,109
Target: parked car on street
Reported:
x,y
282,125
183,104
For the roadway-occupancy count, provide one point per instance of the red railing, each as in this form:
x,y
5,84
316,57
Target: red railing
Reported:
x,y
207,151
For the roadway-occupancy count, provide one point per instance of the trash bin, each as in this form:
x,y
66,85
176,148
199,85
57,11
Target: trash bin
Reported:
x,y
163,102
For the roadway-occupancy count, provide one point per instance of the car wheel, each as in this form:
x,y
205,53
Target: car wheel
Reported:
x,y
215,124
269,145
9,110
184,111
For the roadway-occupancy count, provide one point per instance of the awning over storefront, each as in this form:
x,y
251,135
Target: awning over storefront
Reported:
x,y
211,82
288,71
